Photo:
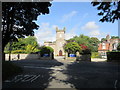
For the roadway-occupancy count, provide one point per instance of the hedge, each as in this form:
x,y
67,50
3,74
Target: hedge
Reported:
x,y
113,56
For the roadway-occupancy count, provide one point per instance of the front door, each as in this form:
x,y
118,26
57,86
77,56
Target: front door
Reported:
x,y
60,53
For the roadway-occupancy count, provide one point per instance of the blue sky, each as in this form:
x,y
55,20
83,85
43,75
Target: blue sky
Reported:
x,y
77,17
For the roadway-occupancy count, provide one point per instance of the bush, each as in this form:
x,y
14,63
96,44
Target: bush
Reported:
x,y
9,69
86,51
118,47
95,55
6,52
46,50
113,56
18,51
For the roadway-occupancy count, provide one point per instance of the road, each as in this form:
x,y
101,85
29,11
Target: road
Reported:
x,y
43,74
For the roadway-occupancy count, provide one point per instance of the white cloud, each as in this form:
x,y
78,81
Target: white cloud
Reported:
x,y
93,30
90,26
69,35
45,33
94,33
68,16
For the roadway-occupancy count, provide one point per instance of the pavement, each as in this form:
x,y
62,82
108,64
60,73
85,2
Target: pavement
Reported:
x,y
61,73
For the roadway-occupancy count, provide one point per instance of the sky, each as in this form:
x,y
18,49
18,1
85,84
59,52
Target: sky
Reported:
x,y
77,17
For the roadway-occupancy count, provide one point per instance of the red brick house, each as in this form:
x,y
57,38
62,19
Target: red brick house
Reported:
x,y
108,45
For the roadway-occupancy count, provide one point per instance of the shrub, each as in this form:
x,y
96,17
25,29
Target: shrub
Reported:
x,y
6,52
46,50
18,51
95,55
113,56
118,47
86,51
9,69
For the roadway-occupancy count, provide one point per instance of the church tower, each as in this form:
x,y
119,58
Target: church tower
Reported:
x,y
60,41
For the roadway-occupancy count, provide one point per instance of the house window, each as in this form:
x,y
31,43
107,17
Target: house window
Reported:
x,y
103,46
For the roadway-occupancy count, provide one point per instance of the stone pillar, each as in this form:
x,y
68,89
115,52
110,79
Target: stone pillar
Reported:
x,y
66,55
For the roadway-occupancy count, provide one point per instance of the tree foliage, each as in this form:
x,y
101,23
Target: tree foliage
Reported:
x,y
110,11
118,47
72,47
114,37
103,39
46,50
91,43
18,19
24,45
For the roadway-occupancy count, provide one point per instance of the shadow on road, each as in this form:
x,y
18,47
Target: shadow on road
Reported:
x,y
92,74
36,74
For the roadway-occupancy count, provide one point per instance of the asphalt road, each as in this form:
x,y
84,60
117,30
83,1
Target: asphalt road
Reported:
x,y
64,74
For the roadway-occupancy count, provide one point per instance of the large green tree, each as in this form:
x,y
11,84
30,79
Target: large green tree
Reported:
x,y
18,19
72,48
91,43
110,11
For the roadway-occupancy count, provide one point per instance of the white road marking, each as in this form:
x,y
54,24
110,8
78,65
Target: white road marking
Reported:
x,y
35,78
115,85
15,78
24,80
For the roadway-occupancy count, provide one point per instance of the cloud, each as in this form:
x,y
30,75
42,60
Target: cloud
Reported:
x,y
69,35
90,26
68,16
93,30
45,33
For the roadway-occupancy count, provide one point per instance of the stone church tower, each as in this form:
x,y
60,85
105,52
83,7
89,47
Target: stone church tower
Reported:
x,y
59,43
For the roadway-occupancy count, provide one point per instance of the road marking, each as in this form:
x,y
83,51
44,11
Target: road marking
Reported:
x,y
23,78
35,78
115,85
31,76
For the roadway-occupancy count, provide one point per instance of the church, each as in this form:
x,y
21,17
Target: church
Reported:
x,y
59,43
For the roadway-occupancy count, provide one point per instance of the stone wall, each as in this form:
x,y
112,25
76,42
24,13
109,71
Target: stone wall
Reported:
x,y
22,56
26,56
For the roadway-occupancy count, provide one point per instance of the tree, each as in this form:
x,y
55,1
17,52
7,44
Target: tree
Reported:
x,y
110,11
103,39
91,43
114,37
18,19
118,47
46,50
72,47
24,45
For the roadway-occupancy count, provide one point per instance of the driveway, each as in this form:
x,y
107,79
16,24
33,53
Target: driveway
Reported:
x,y
64,74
